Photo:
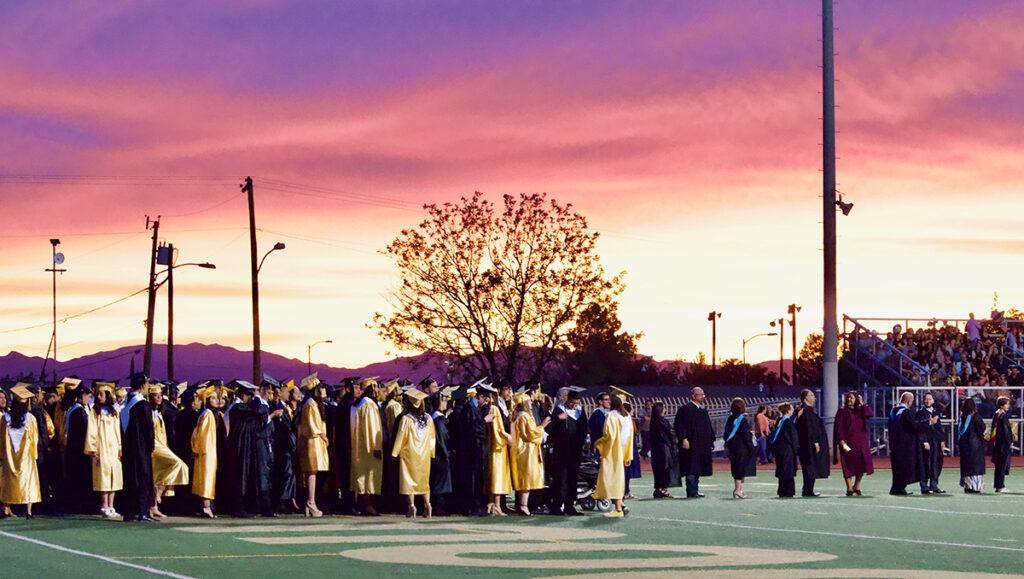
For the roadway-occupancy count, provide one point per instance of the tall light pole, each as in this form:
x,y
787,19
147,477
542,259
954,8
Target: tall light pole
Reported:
x,y
257,370
792,310
781,325
170,304
713,318
309,355
58,258
745,352
151,307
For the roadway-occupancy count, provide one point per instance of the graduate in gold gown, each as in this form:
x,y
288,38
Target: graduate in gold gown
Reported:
x,y
367,447
103,443
500,480
527,466
312,441
204,448
19,439
616,449
168,469
414,447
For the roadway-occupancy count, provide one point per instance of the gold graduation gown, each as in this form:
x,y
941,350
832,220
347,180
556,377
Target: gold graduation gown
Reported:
x,y
615,447
367,437
312,449
414,447
501,478
527,468
391,411
103,440
204,447
19,474
168,469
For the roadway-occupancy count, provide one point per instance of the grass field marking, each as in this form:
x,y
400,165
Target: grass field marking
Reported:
x,y
706,556
795,574
832,534
94,556
468,534
250,556
924,510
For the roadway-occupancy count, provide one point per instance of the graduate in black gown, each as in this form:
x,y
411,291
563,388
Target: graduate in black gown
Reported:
x,y
471,445
595,425
931,437
181,445
813,442
265,438
664,453
77,464
137,451
283,481
971,442
342,455
567,437
45,425
739,443
904,450
245,423
1002,443
696,439
785,446
440,465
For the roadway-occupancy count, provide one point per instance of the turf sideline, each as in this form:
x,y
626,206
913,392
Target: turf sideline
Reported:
x,y
94,556
832,534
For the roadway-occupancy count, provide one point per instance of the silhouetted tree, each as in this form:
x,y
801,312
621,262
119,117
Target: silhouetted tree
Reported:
x,y
495,292
599,353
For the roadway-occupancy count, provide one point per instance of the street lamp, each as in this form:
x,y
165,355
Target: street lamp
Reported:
x,y
792,309
713,318
781,324
256,349
170,303
745,352
309,354
58,258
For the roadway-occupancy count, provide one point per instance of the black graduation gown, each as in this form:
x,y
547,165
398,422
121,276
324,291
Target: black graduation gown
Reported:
x,y
566,439
694,424
742,458
389,478
343,443
1002,442
595,426
664,455
169,412
264,446
471,445
904,450
181,444
440,465
244,426
930,465
785,446
137,460
78,465
283,472
810,430
972,446
42,453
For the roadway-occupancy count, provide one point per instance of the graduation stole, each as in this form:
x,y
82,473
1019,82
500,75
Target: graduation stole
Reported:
x,y
575,412
778,428
67,417
894,414
735,427
135,398
995,425
965,425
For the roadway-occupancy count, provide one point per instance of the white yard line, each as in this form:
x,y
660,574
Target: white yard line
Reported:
x,y
921,509
94,556
830,534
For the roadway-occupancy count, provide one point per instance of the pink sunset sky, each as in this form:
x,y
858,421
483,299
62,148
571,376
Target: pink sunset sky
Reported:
x,y
687,132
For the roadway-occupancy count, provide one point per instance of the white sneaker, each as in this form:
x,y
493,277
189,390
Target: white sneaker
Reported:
x,y
112,514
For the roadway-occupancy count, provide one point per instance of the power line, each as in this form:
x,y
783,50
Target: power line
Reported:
x,y
79,314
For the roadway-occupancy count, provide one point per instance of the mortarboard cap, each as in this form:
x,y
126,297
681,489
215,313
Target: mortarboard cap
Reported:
x,y
268,381
21,392
138,380
426,381
181,388
367,382
310,382
622,394
416,396
242,386
447,391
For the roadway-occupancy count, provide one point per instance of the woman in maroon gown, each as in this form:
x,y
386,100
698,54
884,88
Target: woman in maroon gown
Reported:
x,y
850,441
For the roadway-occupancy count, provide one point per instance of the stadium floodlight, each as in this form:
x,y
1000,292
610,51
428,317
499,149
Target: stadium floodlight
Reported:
x,y
846,208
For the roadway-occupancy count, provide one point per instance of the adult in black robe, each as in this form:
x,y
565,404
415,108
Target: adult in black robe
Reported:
x,y
931,437
181,445
440,465
696,438
1002,443
904,449
137,452
739,444
245,424
78,465
471,444
785,445
813,442
664,453
283,469
342,451
971,442
43,455
390,501
567,437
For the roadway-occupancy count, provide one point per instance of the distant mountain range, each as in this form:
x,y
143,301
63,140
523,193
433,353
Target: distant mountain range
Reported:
x,y
196,362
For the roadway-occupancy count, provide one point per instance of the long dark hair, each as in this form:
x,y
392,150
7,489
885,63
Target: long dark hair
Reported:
x,y
19,409
616,404
657,411
968,408
108,402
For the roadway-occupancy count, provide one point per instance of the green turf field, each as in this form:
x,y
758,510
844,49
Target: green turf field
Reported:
x,y
831,536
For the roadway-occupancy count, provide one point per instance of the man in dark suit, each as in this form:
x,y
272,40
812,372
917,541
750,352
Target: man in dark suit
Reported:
x,y
696,442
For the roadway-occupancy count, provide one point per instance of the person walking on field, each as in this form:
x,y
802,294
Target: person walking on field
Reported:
x,y
850,442
696,438
813,444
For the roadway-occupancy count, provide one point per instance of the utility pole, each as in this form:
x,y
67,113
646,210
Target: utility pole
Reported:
x,y
713,318
781,324
58,258
830,328
170,312
792,310
256,370
147,357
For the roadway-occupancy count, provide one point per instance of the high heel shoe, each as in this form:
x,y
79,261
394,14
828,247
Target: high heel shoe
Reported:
x,y
207,514
427,511
521,510
312,511
739,495
411,513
